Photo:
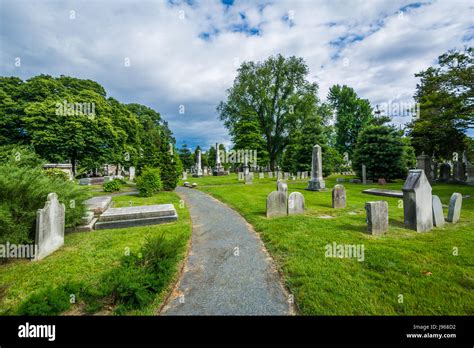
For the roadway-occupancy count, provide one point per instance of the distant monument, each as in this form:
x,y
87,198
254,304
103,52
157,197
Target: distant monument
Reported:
x,y
198,172
316,183
219,169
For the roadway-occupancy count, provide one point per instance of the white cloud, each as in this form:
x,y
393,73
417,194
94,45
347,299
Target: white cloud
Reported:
x,y
172,65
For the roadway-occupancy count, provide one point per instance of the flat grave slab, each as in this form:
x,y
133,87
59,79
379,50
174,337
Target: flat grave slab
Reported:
x,y
136,216
98,204
384,192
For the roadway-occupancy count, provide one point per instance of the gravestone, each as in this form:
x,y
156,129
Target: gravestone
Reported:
x,y
340,180
84,181
438,215
185,176
286,175
417,202
377,217
246,164
261,175
98,204
424,162
434,168
454,210
282,187
355,181
49,227
295,203
241,175
249,178
198,172
298,175
219,169
444,172
381,181
277,204
316,183
270,175
470,173
131,173
338,197
459,173
364,174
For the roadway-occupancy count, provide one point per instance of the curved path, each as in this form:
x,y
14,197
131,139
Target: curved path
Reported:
x,y
228,271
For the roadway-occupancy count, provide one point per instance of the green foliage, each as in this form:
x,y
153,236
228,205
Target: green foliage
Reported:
x,y
169,164
24,191
274,95
56,173
51,301
20,155
112,186
445,96
149,182
384,152
186,156
353,114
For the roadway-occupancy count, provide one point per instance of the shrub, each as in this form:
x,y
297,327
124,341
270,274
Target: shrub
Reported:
x,y
56,173
23,191
113,185
51,301
20,156
384,152
149,182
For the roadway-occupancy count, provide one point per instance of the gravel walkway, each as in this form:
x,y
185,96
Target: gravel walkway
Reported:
x,y
227,271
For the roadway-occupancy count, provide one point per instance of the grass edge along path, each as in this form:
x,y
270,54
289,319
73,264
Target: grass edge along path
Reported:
x,y
86,257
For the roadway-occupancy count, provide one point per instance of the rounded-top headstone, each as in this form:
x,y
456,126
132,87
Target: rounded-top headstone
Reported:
x,y
295,203
454,210
339,196
282,187
438,216
277,204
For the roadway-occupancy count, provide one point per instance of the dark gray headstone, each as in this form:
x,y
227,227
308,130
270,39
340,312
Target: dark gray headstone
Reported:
x,y
444,172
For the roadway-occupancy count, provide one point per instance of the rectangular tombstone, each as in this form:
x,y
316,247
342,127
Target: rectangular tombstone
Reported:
x,y
364,174
424,162
131,173
295,203
286,175
317,182
241,175
185,176
261,175
338,197
377,217
277,204
49,227
270,175
249,178
417,202
98,204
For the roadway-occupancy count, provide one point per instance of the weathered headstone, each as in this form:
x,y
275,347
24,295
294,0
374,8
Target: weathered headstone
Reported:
x,y
249,178
282,187
277,204
417,202
261,175
241,175
364,174
286,175
470,173
454,210
98,204
377,217
185,176
49,227
131,173
438,215
444,172
459,172
316,183
295,203
219,169
270,175
298,175
198,172
424,162
339,197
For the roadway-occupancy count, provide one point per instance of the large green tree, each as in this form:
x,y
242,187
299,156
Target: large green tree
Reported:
x,y
446,102
352,113
275,95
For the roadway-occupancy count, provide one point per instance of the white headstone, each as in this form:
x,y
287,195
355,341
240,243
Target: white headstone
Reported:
x,y
295,203
454,210
438,216
277,204
417,202
131,173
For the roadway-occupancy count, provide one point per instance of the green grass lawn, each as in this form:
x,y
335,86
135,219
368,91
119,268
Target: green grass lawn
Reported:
x,y
86,256
419,266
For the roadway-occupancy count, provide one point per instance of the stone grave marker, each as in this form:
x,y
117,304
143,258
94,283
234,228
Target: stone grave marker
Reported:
x,y
261,175
338,197
316,183
277,204
377,217
454,210
282,187
417,201
364,174
444,172
49,227
295,203
438,216
249,178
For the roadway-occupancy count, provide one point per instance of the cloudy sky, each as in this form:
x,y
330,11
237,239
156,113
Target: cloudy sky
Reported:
x,y
182,55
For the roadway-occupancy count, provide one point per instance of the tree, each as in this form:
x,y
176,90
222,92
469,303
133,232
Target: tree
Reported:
x,y
353,114
384,152
446,102
273,94
186,156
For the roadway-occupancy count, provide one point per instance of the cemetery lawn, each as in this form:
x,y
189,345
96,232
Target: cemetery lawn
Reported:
x,y
421,267
87,256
